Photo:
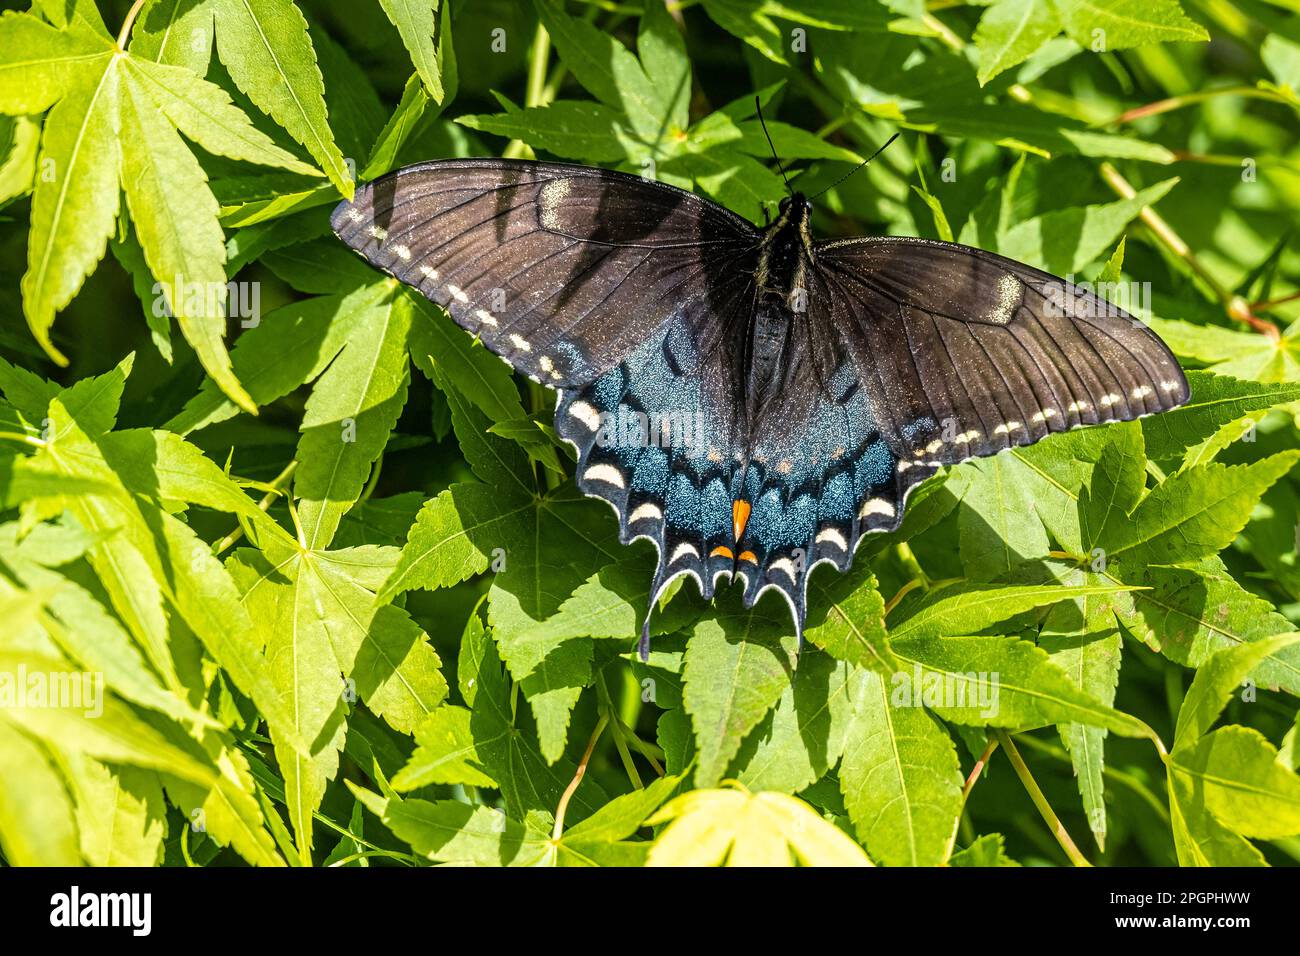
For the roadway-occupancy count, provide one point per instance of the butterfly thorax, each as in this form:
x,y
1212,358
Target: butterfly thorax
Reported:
x,y
780,300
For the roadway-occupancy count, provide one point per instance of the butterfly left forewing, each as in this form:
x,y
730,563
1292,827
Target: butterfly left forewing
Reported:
x,y
561,270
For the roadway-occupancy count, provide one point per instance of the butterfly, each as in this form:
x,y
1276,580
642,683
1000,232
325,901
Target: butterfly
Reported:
x,y
750,399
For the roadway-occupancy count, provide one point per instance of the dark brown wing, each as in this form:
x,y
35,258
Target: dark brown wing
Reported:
x,y
561,270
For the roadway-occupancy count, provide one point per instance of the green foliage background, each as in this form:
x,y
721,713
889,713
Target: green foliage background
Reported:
x,y
329,562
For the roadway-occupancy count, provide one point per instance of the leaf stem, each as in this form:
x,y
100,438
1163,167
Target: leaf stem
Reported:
x,y
577,777
943,32
24,439
1067,556
366,854
906,555
276,489
1035,794
606,704
535,93
1110,772
901,593
128,23
1189,99
297,525
978,768
1274,303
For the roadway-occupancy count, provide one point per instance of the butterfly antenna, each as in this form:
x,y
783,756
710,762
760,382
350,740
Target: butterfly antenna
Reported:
x,y
758,105
857,167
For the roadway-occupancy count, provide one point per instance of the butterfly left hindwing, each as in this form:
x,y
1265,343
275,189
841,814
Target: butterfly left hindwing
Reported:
x,y
629,297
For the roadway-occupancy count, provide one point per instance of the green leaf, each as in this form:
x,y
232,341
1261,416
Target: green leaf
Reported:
x,y
37,818
448,356
72,214
527,781
1195,513
997,526
578,130
1010,32
1083,640
601,839
290,346
791,143
419,24
175,32
265,46
900,778
448,542
126,250
1199,839
1216,401
988,850
175,218
1235,774
1215,682
741,183
1064,241
1244,355
737,666
1116,24
447,831
352,410
18,160
609,71
444,753
803,736
740,19
662,50
107,729
547,557
949,611
543,548
737,828
94,638
205,114
325,627
1282,57
1189,613
121,815
999,682
854,627
303,666
1113,490
41,63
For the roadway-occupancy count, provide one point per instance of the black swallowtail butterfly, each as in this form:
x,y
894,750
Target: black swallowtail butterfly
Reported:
x,y
751,400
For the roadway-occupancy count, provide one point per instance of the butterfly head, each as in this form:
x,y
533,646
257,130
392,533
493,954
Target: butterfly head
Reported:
x,y
796,208
793,224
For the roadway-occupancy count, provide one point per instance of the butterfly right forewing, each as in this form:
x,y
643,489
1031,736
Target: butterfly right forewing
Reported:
x,y
968,353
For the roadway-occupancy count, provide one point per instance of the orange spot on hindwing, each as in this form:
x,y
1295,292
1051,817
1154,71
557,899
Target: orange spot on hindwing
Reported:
x,y
739,518
721,552
748,556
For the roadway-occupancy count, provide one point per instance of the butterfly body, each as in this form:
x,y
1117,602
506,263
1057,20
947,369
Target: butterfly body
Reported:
x,y
784,257
752,401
